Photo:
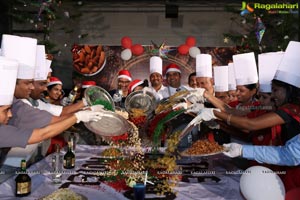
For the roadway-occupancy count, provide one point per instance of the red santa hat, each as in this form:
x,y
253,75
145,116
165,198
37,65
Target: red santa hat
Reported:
x,y
134,84
125,74
54,81
173,68
86,84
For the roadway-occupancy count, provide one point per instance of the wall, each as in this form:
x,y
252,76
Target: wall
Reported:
x,y
106,23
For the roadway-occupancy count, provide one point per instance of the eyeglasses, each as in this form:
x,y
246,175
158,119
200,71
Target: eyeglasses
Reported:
x,y
124,82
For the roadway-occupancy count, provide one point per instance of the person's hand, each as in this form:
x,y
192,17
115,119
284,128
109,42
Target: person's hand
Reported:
x,y
84,102
195,108
207,114
117,97
97,108
88,115
179,106
233,150
196,96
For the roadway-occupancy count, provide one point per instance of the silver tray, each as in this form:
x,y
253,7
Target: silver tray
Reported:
x,y
95,95
111,124
184,154
140,100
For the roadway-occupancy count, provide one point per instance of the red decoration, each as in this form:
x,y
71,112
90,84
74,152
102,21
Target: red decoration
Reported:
x,y
126,42
190,41
137,49
183,49
293,194
117,139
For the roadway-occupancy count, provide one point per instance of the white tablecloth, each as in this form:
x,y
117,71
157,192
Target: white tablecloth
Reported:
x,y
227,188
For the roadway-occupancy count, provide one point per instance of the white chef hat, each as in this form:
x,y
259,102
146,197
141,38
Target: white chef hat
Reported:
x,y
245,69
8,76
22,49
204,65
288,70
267,66
156,65
231,77
221,78
48,63
41,68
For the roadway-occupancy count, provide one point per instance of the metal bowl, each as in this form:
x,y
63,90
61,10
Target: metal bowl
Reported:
x,y
144,101
111,124
96,95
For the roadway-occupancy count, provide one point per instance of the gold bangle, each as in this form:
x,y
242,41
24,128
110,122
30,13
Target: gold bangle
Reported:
x,y
228,119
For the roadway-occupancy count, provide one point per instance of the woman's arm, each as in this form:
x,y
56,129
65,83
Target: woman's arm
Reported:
x,y
264,121
216,102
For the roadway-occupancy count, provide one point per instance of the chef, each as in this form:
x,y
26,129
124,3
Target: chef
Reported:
x,y
12,136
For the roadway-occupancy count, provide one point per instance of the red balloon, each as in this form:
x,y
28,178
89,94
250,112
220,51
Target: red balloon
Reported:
x,y
183,49
126,42
190,41
137,49
293,194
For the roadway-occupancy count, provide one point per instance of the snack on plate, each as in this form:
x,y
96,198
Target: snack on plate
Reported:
x,y
112,152
203,147
63,194
88,59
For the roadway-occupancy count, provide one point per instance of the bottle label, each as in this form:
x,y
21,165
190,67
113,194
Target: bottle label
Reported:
x,y
23,188
69,162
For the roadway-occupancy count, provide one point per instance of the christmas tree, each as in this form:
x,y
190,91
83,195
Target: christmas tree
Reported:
x,y
262,30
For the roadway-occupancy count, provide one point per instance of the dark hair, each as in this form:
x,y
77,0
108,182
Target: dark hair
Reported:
x,y
252,86
292,92
51,86
145,83
191,74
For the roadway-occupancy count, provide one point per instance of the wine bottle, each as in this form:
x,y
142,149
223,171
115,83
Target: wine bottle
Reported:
x,y
70,99
69,157
23,181
57,162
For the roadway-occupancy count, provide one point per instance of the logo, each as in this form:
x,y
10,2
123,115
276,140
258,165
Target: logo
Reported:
x,y
271,8
246,8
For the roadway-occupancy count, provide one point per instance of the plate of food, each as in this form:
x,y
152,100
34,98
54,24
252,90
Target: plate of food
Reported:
x,y
142,102
88,60
96,95
111,124
202,148
64,193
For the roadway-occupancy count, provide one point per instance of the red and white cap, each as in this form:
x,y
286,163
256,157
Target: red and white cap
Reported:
x,y
86,84
54,80
134,84
173,68
125,74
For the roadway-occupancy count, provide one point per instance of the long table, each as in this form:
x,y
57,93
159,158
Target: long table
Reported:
x,y
221,167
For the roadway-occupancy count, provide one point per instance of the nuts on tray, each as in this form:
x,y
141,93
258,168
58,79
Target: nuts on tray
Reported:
x,y
203,147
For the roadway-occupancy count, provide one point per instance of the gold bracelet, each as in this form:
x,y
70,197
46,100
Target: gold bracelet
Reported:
x,y
228,119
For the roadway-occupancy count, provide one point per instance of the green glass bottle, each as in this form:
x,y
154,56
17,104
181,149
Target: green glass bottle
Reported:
x,y
23,181
69,157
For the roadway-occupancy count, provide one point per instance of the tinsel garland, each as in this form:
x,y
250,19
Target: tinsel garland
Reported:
x,y
159,127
